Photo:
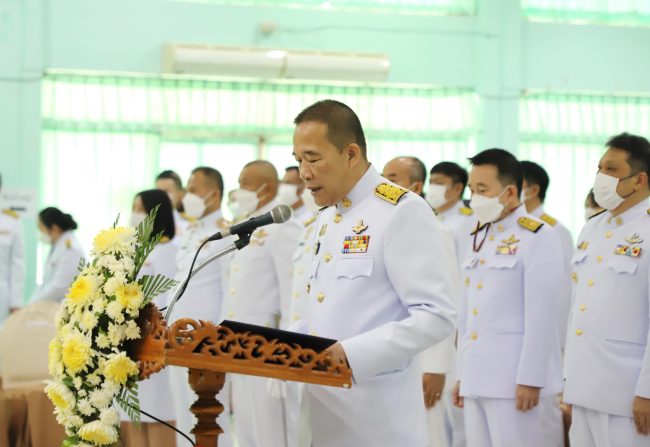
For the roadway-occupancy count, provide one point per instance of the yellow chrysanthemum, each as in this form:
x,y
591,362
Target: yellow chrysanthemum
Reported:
x,y
75,352
82,290
97,433
60,395
114,240
55,367
119,367
129,296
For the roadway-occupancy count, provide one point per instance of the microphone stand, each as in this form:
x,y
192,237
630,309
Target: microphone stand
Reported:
x,y
240,243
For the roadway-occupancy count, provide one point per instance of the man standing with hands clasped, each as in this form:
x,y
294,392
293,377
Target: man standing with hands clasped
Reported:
x,y
377,283
509,364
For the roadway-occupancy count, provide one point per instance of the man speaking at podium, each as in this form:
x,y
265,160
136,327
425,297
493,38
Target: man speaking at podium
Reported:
x,y
377,284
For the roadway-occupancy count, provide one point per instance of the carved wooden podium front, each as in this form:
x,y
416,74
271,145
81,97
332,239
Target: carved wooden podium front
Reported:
x,y
209,351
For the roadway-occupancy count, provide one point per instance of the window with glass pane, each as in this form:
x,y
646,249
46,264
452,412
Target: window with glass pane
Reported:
x,y
433,7
106,137
566,134
613,12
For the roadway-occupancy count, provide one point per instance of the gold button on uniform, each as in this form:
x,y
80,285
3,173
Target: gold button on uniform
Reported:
x,y
479,286
320,297
583,308
231,314
608,234
599,258
491,238
328,257
591,283
475,311
347,203
578,332
337,218
574,277
232,291
481,261
296,294
474,335
467,281
296,317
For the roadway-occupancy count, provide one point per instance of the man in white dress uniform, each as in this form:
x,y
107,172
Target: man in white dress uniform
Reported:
x,y
509,355
437,361
259,292
607,363
378,284
203,297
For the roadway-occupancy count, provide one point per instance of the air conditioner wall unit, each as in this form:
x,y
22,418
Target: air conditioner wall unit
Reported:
x,y
273,63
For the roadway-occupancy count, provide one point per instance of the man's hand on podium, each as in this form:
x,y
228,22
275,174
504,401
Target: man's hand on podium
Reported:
x,y
337,353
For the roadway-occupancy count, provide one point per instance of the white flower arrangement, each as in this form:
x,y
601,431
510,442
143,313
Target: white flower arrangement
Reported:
x,y
87,360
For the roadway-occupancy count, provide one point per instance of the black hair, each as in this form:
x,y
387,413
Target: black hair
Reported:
x,y
534,174
292,168
164,222
457,173
213,176
590,200
343,125
171,175
53,216
509,170
637,148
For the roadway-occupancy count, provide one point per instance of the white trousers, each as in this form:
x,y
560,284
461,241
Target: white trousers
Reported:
x,y
436,436
454,422
497,423
297,411
260,419
184,397
591,428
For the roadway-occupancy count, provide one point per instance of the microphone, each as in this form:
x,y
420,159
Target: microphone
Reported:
x,y
279,214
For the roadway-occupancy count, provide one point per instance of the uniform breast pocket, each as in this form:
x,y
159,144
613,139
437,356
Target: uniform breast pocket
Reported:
x,y
503,263
352,268
623,265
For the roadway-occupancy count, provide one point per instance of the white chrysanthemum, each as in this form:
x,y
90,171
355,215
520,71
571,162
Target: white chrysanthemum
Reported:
x,y
112,388
82,393
93,379
102,341
61,317
112,284
109,416
133,313
115,240
132,331
85,408
99,305
115,333
100,398
77,382
88,321
114,311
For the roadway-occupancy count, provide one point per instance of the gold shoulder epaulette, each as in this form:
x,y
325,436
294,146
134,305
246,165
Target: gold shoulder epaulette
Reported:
x,y
466,211
11,213
68,243
530,224
648,211
552,221
601,212
223,224
390,193
186,217
309,221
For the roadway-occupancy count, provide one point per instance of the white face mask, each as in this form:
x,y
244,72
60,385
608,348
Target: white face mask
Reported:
x,y
589,212
288,194
436,195
194,205
605,191
137,218
487,209
523,196
233,207
44,238
309,201
247,201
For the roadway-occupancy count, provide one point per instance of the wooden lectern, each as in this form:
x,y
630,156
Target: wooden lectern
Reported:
x,y
209,351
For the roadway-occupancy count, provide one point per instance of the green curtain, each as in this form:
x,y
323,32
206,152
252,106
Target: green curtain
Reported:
x,y
567,133
610,12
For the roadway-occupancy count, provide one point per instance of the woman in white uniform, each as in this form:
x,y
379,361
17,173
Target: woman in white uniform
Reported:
x,y
57,229
155,392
